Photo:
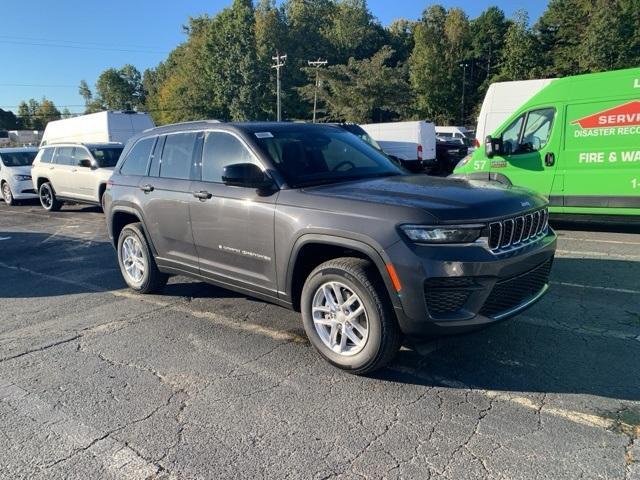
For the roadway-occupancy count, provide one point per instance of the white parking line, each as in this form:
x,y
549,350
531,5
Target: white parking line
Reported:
x,y
5,238
596,287
594,240
574,254
577,328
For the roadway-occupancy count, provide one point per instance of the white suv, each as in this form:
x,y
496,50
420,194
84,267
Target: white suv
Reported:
x,y
73,172
15,174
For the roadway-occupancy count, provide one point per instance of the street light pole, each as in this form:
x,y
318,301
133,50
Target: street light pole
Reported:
x,y
279,63
464,66
317,64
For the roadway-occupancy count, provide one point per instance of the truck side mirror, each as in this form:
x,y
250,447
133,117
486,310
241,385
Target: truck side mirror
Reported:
x,y
492,146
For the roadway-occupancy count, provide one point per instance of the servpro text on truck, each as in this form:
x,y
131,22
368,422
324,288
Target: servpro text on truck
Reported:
x,y
577,141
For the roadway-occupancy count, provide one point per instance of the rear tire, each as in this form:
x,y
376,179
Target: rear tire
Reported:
x,y
137,264
48,198
7,194
331,297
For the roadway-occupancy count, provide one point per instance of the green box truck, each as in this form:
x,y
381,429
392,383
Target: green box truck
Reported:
x,y
577,141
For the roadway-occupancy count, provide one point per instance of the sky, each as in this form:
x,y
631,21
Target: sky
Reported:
x,y
48,46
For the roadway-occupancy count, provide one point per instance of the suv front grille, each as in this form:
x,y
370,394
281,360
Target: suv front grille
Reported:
x,y
517,231
512,292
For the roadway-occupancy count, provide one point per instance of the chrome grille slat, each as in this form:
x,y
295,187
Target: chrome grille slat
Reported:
x,y
511,233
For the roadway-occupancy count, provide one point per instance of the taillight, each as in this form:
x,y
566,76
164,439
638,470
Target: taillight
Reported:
x,y
419,152
109,183
476,143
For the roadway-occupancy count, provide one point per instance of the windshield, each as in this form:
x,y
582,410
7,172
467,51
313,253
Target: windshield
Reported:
x,y
106,156
308,156
18,159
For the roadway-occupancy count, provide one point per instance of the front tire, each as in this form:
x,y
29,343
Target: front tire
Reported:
x,y
48,198
7,194
348,317
137,265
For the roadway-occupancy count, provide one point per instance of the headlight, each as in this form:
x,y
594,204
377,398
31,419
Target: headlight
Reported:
x,y
464,161
22,178
443,233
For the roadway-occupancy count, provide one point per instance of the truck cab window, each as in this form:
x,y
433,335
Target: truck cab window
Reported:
x,y
511,136
537,131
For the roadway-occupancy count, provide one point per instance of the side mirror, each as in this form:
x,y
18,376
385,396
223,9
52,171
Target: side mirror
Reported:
x,y
247,175
86,163
492,146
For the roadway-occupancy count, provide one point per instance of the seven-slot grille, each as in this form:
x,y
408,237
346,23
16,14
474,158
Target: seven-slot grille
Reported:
x,y
516,231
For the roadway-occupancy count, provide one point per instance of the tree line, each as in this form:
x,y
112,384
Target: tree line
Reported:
x,y
405,70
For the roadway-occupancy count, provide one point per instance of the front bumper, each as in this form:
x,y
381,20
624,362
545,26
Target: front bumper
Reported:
x,y
455,288
23,190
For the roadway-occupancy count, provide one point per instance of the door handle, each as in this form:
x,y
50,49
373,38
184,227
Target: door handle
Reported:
x,y
202,195
51,167
147,188
74,169
550,159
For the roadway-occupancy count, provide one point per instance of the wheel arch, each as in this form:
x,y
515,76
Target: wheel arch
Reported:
x,y
120,217
311,250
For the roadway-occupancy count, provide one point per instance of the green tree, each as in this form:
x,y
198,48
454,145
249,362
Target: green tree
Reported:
x,y
35,114
363,91
604,46
232,61
441,46
8,120
119,89
521,56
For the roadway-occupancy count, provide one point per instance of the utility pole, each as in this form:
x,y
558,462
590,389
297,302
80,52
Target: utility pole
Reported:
x,y
279,63
317,64
464,66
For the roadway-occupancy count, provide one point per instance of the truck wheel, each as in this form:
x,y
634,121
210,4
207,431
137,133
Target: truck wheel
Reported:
x,y
7,195
48,198
137,265
348,317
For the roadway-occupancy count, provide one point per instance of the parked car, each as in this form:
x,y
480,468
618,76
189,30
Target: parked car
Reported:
x,y
4,138
577,142
15,174
73,173
455,134
448,155
413,143
311,218
100,127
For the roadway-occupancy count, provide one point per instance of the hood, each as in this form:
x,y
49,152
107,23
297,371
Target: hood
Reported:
x,y
447,199
24,170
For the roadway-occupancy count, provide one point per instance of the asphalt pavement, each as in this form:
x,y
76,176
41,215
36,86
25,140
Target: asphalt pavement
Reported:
x,y
200,382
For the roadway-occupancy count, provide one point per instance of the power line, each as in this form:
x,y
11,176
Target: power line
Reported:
x,y
78,47
36,85
83,42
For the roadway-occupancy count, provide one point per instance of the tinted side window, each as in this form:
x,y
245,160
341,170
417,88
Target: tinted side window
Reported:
x,y
64,156
511,136
80,153
47,155
222,149
177,156
138,158
537,131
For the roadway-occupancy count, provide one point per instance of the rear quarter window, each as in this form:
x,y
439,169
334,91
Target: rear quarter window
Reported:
x,y
138,158
46,155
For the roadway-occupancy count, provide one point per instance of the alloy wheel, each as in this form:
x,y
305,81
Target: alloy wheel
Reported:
x,y
46,196
340,318
6,193
133,259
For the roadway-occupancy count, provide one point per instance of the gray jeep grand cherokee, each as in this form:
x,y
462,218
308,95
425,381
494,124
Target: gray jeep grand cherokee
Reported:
x,y
312,218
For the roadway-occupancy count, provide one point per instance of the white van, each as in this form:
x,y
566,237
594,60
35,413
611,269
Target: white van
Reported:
x,y
413,143
501,101
101,127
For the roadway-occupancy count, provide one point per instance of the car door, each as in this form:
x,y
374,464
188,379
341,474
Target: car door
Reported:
x,y
165,197
528,156
83,183
61,172
233,226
